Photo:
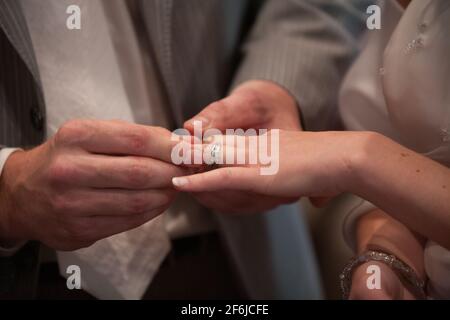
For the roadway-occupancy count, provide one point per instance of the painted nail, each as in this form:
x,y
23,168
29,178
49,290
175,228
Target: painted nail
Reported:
x,y
180,182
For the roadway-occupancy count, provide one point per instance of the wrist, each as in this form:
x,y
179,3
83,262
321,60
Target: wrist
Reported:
x,y
357,157
389,288
393,276
377,231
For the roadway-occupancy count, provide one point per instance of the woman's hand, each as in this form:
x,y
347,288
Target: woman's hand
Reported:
x,y
410,187
306,164
254,104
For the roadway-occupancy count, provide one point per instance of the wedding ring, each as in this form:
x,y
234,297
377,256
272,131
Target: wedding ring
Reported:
x,y
216,155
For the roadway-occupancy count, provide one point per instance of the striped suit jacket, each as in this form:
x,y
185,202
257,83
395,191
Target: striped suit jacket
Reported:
x,y
201,51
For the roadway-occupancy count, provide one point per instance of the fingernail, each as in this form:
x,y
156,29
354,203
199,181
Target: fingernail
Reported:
x,y
180,182
213,139
209,139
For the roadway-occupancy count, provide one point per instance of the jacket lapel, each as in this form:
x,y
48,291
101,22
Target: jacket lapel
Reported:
x,y
13,23
184,38
158,15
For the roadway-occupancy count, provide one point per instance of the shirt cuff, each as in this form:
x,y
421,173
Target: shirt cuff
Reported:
x,y
359,208
7,251
4,155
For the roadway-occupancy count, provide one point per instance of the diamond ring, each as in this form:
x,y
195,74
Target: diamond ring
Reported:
x,y
216,155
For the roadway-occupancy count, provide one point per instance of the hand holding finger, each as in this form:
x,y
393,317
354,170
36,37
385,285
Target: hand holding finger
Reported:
x,y
116,138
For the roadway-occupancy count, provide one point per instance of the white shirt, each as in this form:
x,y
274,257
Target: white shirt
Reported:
x,y
399,86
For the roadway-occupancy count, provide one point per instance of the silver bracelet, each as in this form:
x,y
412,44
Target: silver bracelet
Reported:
x,y
406,274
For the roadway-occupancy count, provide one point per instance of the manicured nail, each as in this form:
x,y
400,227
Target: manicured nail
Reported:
x,y
209,139
213,139
180,182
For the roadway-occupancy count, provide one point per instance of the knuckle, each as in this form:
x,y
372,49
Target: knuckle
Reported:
x,y
218,109
138,204
166,199
137,139
251,98
70,132
60,204
138,174
252,102
217,106
61,172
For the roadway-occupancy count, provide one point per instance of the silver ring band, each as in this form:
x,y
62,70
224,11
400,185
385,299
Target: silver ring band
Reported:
x,y
216,153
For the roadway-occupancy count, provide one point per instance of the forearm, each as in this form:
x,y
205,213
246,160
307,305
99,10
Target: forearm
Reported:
x,y
378,231
411,188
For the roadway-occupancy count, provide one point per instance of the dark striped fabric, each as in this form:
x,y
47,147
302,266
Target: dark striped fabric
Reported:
x,y
306,46
21,99
13,23
189,39
196,74
299,44
19,103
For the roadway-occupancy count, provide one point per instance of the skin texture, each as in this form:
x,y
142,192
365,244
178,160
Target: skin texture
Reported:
x,y
253,105
93,179
376,231
314,175
326,164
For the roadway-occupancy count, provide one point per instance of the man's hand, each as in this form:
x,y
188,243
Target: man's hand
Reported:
x,y
93,179
253,105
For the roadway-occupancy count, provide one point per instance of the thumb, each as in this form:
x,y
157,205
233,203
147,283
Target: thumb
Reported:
x,y
232,112
216,115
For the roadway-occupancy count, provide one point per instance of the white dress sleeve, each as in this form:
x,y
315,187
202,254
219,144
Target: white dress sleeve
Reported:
x,y
359,207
